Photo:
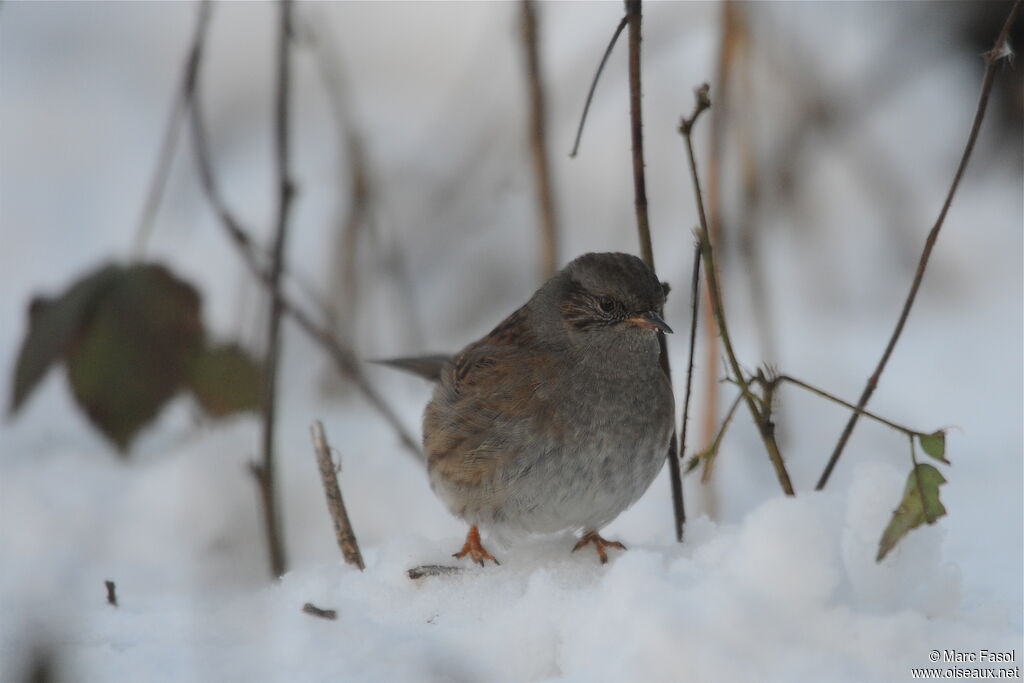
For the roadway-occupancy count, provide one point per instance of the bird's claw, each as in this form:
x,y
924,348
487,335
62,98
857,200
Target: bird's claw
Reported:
x,y
599,545
475,549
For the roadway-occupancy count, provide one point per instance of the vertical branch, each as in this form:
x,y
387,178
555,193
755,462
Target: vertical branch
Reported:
x,y
992,57
694,299
633,18
761,415
723,72
538,144
343,532
264,471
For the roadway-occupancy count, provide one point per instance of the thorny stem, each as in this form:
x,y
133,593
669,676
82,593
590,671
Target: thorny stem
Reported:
x,y
764,425
694,299
633,15
991,58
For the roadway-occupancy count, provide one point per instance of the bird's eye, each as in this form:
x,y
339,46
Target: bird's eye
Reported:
x,y
606,304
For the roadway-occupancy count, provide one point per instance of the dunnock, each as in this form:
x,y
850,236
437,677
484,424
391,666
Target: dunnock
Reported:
x,y
560,418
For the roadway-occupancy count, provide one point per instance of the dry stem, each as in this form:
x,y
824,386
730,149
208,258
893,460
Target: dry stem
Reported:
x,y
538,144
313,610
343,531
991,58
593,86
264,471
762,420
633,16
342,356
694,299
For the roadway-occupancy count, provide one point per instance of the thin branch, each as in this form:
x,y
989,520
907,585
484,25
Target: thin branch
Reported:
x,y
342,356
764,425
719,115
634,15
313,610
172,131
353,212
111,592
343,531
858,411
716,442
538,143
992,57
285,194
694,299
593,85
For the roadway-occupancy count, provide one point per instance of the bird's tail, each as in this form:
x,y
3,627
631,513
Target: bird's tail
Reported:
x,y
428,367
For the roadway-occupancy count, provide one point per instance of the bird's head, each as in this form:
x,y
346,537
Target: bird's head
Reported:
x,y
611,296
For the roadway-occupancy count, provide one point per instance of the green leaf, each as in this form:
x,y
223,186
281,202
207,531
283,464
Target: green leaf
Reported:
x,y
136,350
934,444
53,325
920,505
225,380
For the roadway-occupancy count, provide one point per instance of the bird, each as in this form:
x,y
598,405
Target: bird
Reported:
x,y
558,419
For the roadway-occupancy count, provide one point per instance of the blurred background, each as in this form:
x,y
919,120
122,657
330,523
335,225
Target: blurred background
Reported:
x,y
835,132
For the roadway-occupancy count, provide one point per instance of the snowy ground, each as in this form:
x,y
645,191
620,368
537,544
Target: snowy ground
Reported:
x,y
773,589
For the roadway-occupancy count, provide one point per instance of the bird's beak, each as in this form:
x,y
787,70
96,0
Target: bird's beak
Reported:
x,y
650,321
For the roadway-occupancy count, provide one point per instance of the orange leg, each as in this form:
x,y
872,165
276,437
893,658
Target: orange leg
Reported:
x,y
599,545
476,551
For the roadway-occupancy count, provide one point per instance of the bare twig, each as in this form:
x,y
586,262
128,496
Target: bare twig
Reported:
x,y
264,470
856,410
694,299
634,16
313,610
711,452
340,354
764,424
538,144
992,57
433,570
593,85
172,133
353,212
111,592
719,116
343,532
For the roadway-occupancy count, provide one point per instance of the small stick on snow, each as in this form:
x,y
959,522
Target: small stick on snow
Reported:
x,y
111,593
311,609
433,570
335,505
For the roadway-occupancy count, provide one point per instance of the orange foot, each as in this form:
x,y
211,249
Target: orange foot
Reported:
x,y
599,544
476,551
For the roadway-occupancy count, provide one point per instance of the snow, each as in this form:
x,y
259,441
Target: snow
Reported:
x,y
770,589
